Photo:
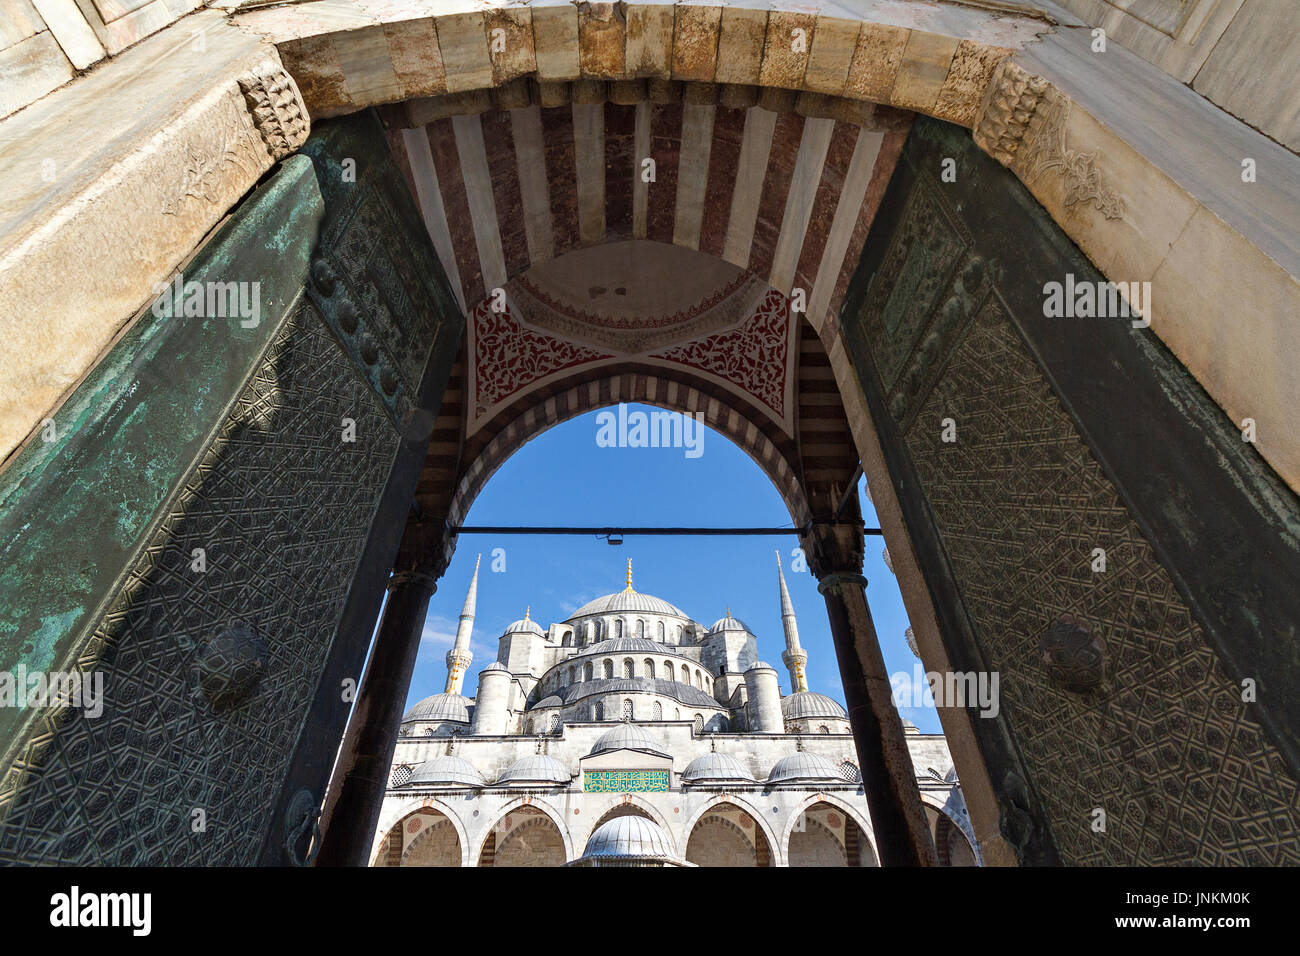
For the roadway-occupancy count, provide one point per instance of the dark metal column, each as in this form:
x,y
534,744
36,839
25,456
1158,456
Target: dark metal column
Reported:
x,y
888,777
351,811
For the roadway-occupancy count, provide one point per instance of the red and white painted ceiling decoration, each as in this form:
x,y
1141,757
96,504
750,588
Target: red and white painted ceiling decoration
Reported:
x,y
752,358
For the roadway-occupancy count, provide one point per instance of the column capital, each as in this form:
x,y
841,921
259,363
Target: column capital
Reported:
x,y
415,577
837,579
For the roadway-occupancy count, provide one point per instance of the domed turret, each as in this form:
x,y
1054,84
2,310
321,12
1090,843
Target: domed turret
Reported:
x,y
628,737
446,771
452,707
526,625
629,841
804,768
536,769
809,704
764,699
729,623
492,710
715,768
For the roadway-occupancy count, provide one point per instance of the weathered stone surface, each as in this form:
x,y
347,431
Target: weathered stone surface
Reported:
x,y
510,42
833,47
968,77
875,62
69,26
923,70
649,31
555,40
740,45
416,57
31,69
695,42
787,46
601,40
462,37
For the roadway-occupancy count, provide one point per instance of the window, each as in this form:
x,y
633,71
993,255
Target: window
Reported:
x,y
699,680
555,723
677,713
640,628
587,671
649,668
609,670
679,633
657,712
595,630
530,725
699,723
618,629
572,675
627,709
659,631
668,670
628,670
598,712
823,729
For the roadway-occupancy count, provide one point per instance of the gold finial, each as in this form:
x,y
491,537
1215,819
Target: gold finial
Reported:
x,y
728,612
526,610
629,575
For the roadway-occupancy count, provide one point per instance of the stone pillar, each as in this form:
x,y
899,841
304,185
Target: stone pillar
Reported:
x,y
351,811
764,700
888,777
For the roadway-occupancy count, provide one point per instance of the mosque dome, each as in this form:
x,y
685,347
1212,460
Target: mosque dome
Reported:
x,y
616,645
685,693
525,626
629,838
628,736
627,600
716,768
537,768
759,665
441,707
449,771
729,623
804,767
809,704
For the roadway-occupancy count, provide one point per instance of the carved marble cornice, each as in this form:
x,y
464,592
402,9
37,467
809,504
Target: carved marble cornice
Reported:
x,y
276,107
1022,124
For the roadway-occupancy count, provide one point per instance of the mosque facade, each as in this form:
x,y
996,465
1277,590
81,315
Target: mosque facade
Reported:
x,y
630,734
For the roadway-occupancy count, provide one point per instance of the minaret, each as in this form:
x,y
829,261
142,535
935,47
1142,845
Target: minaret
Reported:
x,y
794,656
459,657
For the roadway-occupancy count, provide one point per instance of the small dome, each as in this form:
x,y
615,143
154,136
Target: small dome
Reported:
x,y
629,837
525,626
628,737
807,704
714,768
627,600
729,623
441,707
804,767
537,768
759,665
551,701
447,771
494,666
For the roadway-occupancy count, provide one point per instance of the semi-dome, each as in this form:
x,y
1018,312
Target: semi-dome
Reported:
x,y
627,600
615,645
552,701
441,707
804,767
536,768
687,694
729,623
629,838
716,768
808,704
447,771
628,736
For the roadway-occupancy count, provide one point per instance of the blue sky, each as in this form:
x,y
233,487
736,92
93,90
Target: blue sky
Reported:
x,y
563,478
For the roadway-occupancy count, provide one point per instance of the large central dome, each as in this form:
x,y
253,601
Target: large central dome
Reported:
x,y
628,601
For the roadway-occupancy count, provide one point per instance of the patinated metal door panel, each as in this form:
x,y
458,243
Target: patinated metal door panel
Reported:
x,y
212,529
1091,527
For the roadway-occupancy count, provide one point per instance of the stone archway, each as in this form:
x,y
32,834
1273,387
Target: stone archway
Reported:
x,y
524,836
725,834
825,835
424,837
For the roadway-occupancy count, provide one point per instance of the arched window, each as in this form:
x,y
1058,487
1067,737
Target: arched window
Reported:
x,y
573,675
618,629
649,668
657,712
699,723
555,723
629,671
823,729
708,684
640,628
587,671
595,630
609,670
679,633
677,713
567,640
599,712
530,725
668,670
699,680
659,631
627,709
